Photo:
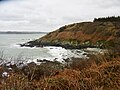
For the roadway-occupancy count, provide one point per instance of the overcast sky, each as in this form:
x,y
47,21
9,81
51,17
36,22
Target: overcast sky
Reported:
x,y
48,15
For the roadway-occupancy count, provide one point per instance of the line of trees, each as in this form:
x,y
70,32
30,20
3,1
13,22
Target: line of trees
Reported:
x,y
104,19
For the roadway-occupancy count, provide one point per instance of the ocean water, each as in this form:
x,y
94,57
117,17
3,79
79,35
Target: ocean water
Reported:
x,y
10,49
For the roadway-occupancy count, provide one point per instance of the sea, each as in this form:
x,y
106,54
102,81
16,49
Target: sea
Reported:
x,y
10,50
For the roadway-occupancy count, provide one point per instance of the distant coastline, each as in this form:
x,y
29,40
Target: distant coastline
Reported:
x,y
18,32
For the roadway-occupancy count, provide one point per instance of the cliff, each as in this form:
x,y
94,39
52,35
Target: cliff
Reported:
x,y
100,33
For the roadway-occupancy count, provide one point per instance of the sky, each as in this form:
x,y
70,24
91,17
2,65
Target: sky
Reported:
x,y
49,15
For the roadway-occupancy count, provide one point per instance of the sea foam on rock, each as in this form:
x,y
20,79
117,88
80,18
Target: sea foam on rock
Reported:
x,y
60,54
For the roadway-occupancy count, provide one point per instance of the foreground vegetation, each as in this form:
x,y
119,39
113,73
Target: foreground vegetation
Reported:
x,y
100,72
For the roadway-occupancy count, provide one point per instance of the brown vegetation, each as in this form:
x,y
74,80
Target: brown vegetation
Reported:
x,y
96,73
93,31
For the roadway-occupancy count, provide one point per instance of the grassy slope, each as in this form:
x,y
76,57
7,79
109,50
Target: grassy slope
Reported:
x,y
80,33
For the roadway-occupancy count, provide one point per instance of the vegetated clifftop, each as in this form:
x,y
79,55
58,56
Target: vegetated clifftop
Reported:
x,y
102,32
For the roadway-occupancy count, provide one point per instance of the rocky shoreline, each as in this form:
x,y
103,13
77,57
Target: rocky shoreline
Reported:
x,y
67,45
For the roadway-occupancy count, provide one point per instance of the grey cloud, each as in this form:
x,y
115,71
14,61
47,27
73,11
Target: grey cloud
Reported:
x,y
48,15
108,3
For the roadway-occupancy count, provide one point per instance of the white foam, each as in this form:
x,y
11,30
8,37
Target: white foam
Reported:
x,y
60,53
56,53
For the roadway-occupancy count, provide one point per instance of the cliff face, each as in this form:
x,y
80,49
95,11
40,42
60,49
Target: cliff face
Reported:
x,y
85,34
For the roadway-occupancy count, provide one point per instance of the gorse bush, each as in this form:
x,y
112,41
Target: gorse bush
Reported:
x,y
105,19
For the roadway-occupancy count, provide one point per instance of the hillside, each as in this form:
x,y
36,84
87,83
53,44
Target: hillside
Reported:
x,y
102,32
